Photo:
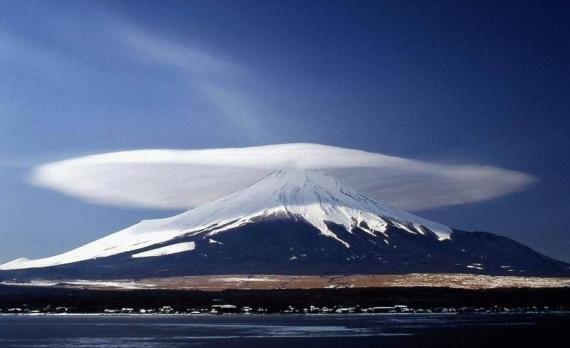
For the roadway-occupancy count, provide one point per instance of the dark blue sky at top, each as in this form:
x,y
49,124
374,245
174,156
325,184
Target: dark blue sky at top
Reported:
x,y
483,82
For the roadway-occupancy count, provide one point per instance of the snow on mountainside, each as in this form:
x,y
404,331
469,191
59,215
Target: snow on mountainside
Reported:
x,y
300,194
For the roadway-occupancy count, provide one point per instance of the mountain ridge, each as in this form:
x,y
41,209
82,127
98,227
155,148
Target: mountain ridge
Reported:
x,y
289,192
293,222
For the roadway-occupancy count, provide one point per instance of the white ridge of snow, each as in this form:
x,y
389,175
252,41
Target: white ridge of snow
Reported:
x,y
167,250
126,284
299,193
16,262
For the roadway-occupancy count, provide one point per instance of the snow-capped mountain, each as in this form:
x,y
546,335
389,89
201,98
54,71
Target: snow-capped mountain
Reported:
x,y
290,222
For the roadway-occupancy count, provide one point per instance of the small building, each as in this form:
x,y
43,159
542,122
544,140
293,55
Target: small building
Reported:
x,y
223,308
166,310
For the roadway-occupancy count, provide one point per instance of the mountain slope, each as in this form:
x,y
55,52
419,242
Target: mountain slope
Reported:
x,y
291,222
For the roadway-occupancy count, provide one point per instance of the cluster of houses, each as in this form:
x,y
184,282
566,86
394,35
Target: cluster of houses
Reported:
x,y
214,309
233,309
26,310
229,308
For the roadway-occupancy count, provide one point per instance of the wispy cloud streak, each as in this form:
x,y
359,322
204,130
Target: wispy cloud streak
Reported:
x,y
220,83
160,50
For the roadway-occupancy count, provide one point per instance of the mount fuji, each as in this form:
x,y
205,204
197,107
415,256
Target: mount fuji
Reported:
x,y
292,222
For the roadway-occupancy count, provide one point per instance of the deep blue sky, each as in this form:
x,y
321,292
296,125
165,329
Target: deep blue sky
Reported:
x,y
484,82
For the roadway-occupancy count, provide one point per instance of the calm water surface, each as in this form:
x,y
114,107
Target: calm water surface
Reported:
x,y
409,330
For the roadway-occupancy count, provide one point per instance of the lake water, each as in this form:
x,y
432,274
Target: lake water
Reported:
x,y
388,330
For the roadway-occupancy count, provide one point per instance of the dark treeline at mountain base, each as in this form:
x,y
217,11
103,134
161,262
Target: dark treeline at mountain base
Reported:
x,y
91,301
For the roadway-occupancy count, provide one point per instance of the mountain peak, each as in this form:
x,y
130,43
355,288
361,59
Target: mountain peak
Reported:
x,y
302,175
298,178
293,193
319,193
293,221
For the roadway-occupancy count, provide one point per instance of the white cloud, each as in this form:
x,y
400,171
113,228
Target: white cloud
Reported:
x,y
187,178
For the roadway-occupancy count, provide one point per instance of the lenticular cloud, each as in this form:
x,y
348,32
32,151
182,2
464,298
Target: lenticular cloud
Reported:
x,y
181,179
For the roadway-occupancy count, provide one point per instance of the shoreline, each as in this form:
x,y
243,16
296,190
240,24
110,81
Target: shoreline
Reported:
x,y
39,300
172,315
